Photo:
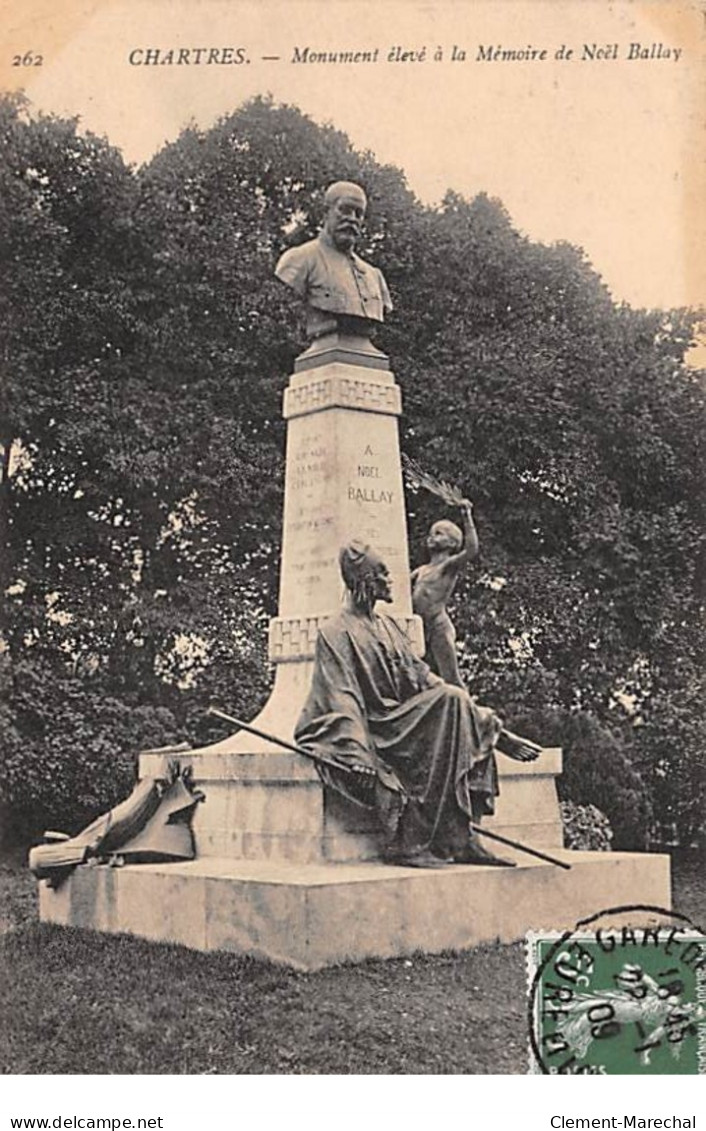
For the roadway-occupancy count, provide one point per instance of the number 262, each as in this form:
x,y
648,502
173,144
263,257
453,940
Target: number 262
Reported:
x,y
29,59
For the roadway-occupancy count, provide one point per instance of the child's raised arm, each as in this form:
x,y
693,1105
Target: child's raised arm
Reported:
x,y
457,562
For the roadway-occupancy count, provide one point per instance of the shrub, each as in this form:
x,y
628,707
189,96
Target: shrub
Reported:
x,y
586,829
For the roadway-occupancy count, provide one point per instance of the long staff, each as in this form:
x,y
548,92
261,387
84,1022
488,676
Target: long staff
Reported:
x,y
347,769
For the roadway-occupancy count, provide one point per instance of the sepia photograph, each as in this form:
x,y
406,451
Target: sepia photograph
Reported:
x,y
352,512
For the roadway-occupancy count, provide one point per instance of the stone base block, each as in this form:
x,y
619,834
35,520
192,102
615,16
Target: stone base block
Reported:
x,y
317,915
270,805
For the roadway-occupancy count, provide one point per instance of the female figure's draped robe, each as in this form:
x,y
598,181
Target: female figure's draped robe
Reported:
x,y
374,705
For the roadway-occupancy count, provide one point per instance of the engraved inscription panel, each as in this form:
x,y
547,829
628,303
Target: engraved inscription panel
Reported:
x,y
343,481
309,562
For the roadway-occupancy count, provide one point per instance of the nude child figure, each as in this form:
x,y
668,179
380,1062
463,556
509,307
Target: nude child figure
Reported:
x,y
433,583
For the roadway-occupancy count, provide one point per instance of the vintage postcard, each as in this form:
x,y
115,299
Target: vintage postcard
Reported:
x,y
350,506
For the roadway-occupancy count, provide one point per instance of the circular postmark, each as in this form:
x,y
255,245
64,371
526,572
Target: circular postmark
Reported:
x,y
624,992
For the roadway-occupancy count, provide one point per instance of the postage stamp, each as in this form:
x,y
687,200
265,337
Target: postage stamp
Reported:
x,y
622,993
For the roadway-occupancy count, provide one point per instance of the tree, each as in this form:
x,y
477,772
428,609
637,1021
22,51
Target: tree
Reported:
x,y
143,442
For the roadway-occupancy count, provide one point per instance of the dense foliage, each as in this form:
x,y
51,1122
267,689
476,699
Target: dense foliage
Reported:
x,y
586,829
145,347
597,771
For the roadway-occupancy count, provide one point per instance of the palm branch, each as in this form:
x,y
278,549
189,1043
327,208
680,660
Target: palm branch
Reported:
x,y
416,477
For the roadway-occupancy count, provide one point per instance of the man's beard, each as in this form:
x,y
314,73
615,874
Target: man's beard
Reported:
x,y
346,237
366,594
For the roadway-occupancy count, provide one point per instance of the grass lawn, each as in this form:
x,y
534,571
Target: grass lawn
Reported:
x,y
74,1002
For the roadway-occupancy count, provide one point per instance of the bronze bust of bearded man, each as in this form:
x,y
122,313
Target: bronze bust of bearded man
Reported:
x,y
340,289
417,749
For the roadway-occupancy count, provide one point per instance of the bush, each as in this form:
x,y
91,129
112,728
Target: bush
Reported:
x,y
69,749
597,771
586,829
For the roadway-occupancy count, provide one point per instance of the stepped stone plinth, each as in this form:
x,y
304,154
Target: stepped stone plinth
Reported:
x,y
315,915
285,869
271,806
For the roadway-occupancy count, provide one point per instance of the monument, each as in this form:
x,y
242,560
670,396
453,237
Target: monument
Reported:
x,y
285,868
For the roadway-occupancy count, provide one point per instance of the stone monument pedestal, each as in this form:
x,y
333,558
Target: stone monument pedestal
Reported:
x,y
286,870
315,915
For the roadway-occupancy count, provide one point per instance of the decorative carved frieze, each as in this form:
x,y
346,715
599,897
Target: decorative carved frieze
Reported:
x,y
293,639
338,391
